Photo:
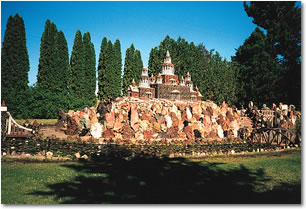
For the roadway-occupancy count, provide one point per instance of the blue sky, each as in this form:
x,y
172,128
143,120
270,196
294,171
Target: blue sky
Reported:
x,y
222,26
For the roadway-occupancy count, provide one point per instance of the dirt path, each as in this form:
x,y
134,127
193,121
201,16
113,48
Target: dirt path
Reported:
x,y
49,131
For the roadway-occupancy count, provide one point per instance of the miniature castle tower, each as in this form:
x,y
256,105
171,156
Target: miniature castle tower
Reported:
x,y
144,82
159,79
182,81
189,82
152,79
167,67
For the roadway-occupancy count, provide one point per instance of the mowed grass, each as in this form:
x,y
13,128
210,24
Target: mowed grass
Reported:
x,y
257,178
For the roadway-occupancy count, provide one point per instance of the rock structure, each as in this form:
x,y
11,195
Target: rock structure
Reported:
x,y
150,119
166,85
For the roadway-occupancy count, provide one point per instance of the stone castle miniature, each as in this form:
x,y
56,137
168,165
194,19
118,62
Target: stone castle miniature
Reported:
x,y
165,85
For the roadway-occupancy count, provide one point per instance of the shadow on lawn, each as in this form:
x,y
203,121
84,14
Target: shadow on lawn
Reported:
x,y
175,181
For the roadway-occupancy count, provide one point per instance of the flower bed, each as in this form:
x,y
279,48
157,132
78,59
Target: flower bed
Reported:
x,y
123,149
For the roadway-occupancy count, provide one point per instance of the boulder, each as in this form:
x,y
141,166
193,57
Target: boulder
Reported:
x,y
168,121
172,132
188,112
174,109
158,109
174,119
118,124
147,134
184,116
156,127
110,119
144,116
143,125
96,130
134,118
189,132
127,131
196,117
196,109
108,133
220,132
164,110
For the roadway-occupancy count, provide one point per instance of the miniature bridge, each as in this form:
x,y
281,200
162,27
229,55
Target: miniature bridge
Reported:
x,y
10,128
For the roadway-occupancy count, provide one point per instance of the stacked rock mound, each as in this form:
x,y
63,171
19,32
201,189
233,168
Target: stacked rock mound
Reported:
x,y
144,119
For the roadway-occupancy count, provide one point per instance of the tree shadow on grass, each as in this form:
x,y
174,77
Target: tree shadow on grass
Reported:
x,y
167,181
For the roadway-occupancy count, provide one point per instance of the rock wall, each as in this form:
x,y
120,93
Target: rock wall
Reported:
x,y
140,118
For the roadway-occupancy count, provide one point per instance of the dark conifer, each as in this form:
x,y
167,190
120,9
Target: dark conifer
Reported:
x,y
138,66
129,67
62,63
102,69
118,68
77,82
46,78
14,65
90,69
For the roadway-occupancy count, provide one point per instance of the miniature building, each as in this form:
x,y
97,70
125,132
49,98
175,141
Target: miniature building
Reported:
x,y
165,85
133,90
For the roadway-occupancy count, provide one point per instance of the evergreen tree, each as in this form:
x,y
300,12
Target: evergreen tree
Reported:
x,y
117,68
129,67
102,70
110,77
259,71
138,66
154,64
90,69
62,63
14,66
109,69
46,77
282,21
77,83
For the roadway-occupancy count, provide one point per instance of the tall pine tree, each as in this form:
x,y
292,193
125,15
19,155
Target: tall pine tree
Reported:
x,y
259,70
102,70
138,66
90,69
77,83
129,67
110,76
62,63
154,62
282,21
46,77
14,66
117,68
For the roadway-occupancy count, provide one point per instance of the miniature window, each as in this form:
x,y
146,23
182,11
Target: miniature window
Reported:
x,y
149,94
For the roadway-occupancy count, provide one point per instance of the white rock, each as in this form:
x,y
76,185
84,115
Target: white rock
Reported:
x,y
220,132
96,130
188,112
168,121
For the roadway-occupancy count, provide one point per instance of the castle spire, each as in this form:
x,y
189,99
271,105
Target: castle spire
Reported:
x,y
168,54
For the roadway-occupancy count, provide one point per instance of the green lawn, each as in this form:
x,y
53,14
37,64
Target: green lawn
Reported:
x,y
256,178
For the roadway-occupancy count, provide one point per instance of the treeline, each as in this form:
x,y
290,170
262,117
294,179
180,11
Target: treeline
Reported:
x,y
62,83
266,69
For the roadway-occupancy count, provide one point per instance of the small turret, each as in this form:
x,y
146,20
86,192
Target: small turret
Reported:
x,y
182,81
159,79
